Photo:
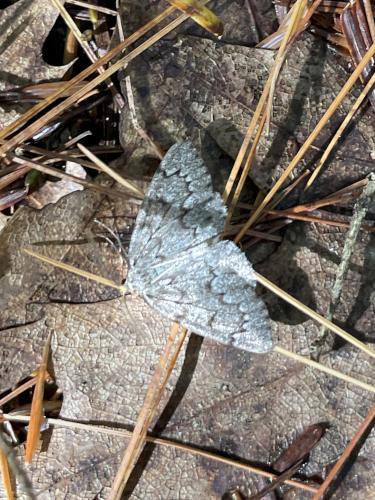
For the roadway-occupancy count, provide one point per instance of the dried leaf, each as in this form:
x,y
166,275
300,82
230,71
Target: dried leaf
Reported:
x,y
299,448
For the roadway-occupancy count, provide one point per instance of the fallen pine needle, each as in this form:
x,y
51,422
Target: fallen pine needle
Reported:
x,y
109,171
325,369
36,414
75,270
5,474
123,433
309,141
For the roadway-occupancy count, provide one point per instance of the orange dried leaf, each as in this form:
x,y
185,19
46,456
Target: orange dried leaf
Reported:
x,y
36,414
7,483
201,15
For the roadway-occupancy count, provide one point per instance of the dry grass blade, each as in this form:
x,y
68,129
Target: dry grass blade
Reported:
x,y
36,414
298,157
314,315
69,424
105,168
75,270
148,410
325,369
5,475
368,421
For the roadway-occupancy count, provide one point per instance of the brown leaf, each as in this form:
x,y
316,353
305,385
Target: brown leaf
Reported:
x,y
300,447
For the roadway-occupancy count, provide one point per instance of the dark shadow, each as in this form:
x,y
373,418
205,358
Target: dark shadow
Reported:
x,y
363,299
187,372
282,269
308,86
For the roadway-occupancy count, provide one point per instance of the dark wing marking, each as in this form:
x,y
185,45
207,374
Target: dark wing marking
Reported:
x,y
210,289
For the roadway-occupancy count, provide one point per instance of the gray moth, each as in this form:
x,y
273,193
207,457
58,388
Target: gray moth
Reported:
x,y
181,268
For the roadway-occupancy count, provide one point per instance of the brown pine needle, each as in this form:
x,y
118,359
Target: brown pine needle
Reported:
x,y
341,130
257,122
154,392
322,122
30,130
314,315
105,168
36,413
75,270
346,454
325,369
32,112
123,433
5,475
19,390
63,175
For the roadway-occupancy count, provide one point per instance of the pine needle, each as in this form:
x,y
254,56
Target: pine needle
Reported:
x,y
75,270
5,475
109,171
309,141
36,413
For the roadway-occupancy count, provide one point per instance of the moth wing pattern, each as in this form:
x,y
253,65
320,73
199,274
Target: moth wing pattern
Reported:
x,y
180,209
216,298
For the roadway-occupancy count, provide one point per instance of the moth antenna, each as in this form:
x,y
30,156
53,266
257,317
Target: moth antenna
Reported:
x,y
116,237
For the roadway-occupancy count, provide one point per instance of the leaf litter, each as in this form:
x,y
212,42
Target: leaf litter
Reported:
x,y
243,409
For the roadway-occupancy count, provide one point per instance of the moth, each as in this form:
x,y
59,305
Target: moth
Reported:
x,y
181,267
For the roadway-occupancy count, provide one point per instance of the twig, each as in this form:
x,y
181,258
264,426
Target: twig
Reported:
x,y
58,422
148,410
346,454
133,116
359,213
